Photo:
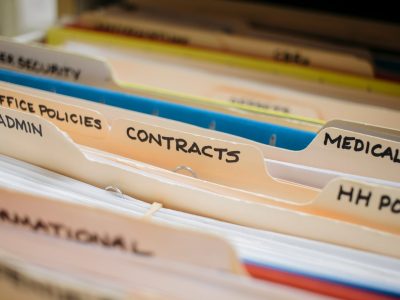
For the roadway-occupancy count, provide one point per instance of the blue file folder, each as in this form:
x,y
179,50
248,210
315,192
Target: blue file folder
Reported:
x,y
284,137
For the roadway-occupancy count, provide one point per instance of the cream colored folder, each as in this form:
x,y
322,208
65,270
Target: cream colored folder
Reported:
x,y
44,138
151,25
233,96
338,144
135,275
142,141
94,225
162,72
355,88
89,70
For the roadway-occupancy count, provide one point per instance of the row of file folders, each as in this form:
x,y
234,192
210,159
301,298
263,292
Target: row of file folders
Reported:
x,y
136,166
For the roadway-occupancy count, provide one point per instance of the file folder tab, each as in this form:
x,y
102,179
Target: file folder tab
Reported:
x,y
44,61
67,117
366,204
114,231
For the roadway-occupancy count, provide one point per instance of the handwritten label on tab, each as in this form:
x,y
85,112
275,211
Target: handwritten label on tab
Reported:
x,y
39,67
19,124
47,147
353,152
211,159
100,227
79,234
365,198
67,117
47,61
363,146
367,204
184,145
154,139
